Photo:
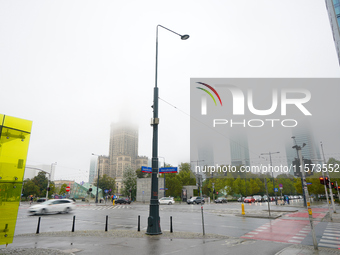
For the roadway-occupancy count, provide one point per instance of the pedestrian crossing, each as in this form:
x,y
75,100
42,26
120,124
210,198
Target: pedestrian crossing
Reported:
x,y
110,207
331,236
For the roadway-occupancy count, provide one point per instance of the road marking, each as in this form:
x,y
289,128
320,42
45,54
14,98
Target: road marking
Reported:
x,y
329,245
294,241
329,241
298,237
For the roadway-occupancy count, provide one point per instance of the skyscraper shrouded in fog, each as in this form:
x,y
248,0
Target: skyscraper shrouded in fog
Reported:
x,y
239,149
333,8
303,135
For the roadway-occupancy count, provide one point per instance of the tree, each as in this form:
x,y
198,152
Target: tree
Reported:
x,y
130,183
30,188
106,182
62,190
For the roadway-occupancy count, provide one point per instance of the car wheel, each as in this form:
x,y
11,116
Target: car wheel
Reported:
x,y
43,211
67,210
169,203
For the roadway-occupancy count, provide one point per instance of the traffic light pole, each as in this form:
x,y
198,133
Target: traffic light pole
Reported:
x,y
304,186
326,193
337,187
329,184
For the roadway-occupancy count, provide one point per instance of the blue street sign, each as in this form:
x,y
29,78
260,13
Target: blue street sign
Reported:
x,y
106,191
146,169
163,188
309,183
276,189
168,170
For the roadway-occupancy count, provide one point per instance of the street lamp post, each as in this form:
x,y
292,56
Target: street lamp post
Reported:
x,y
270,158
97,177
154,227
48,180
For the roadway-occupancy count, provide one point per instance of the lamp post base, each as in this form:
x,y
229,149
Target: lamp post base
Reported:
x,y
154,224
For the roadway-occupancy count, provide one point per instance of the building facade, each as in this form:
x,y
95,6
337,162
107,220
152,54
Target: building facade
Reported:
x,y
303,135
123,154
239,149
333,8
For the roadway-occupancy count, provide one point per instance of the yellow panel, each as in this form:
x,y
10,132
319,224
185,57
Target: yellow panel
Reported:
x,y
14,141
19,124
9,204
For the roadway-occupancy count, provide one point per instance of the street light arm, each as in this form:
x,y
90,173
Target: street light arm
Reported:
x,y
183,37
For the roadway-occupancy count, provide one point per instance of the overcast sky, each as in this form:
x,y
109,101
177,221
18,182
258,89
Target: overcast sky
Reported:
x,y
73,67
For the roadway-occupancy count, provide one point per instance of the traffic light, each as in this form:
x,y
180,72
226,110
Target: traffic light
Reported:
x,y
48,189
338,188
332,185
90,189
322,180
326,181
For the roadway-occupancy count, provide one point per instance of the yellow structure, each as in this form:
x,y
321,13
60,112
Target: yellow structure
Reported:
x,y
243,212
14,140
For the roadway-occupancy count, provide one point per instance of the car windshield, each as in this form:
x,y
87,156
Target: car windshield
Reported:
x,y
248,197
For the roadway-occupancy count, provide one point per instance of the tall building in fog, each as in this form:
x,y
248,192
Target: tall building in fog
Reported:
x,y
239,149
123,154
333,8
93,169
303,134
123,151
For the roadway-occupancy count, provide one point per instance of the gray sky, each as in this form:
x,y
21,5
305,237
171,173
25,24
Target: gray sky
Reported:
x,y
73,67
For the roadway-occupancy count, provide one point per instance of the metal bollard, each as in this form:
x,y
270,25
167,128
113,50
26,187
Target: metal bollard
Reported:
x,y
138,223
170,224
38,228
74,220
107,219
243,212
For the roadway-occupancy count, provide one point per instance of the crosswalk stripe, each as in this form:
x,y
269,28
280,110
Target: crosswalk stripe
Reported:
x,y
330,234
331,237
329,241
329,245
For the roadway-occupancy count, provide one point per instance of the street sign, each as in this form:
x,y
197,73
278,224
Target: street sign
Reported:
x,y
68,189
146,169
309,183
106,191
165,170
280,185
276,189
161,189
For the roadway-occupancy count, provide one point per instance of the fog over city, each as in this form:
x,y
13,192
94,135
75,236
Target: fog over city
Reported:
x,y
75,67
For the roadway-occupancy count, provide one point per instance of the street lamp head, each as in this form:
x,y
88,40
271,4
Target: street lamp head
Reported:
x,y
185,37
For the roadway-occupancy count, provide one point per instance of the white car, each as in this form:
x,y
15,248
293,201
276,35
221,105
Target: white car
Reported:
x,y
53,206
166,201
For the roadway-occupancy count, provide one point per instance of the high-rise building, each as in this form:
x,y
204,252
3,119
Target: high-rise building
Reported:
x,y
239,149
303,135
123,151
123,154
93,169
333,8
